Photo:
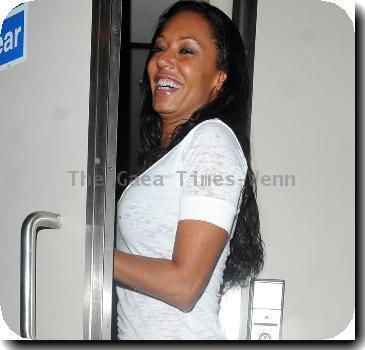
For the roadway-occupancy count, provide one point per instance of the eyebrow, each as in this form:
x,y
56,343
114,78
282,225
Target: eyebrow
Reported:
x,y
181,38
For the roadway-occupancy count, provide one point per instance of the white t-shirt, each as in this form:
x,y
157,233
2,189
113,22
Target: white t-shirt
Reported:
x,y
200,178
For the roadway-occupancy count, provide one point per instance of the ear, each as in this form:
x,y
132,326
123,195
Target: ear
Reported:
x,y
221,79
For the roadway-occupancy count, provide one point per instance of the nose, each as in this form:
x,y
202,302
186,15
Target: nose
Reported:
x,y
165,59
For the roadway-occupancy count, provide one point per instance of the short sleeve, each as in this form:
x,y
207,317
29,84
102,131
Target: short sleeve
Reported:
x,y
212,176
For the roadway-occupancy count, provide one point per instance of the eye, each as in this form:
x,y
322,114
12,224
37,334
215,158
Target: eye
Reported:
x,y
186,51
157,49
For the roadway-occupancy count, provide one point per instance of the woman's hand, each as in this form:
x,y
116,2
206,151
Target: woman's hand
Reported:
x,y
181,280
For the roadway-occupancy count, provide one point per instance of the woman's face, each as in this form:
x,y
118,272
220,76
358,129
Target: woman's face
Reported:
x,y
182,71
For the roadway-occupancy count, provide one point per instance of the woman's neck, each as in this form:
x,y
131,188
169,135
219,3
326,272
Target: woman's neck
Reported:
x,y
168,127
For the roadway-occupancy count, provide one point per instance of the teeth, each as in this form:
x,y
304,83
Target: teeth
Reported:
x,y
168,84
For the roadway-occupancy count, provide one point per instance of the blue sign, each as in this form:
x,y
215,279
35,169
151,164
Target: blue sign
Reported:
x,y
13,38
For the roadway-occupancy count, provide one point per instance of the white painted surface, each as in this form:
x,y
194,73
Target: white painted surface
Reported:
x,y
44,114
348,6
303,124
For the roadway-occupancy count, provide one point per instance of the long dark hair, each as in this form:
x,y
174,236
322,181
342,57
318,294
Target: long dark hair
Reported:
x,y
246,247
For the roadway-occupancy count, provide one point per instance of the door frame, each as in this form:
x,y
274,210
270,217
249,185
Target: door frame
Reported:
x,y
101,168
244,16
102,153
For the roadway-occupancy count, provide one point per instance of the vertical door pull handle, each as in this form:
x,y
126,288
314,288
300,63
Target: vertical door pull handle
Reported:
x,y
33,223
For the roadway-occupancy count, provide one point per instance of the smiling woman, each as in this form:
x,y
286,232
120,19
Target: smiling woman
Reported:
x,y
183,244
183,70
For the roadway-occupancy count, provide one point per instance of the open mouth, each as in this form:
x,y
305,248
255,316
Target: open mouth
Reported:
x,y
167,85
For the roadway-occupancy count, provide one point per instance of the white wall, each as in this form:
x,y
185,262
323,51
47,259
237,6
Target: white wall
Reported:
x,y
44,134
225,5
303,125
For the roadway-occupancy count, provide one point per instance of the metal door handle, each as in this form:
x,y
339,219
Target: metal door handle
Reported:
x,y
32,224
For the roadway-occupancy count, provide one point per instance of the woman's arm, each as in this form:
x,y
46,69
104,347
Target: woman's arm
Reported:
x,y
181,280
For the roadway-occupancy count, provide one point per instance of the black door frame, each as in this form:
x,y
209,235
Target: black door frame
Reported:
x,y
244,15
